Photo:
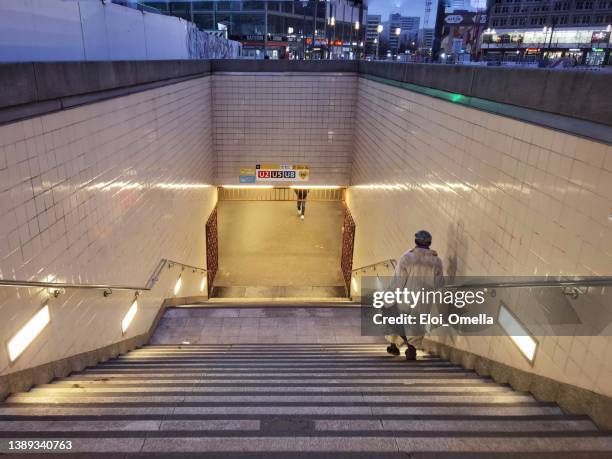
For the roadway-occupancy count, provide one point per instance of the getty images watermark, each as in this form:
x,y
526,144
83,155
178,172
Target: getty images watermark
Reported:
x,y
485,306
409,299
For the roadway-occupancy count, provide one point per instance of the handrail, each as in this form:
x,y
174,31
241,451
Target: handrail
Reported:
x,y
107,288
575,282
390,260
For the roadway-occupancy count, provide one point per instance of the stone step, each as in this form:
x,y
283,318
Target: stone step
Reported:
x,y
501,410
255,399
57,389
312,426
279,292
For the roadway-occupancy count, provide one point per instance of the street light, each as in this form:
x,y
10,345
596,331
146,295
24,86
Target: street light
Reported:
x,y
379,29
490,33
398,32
357,25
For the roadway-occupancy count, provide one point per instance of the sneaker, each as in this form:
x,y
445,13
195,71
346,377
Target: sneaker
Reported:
x,y
393,349
302,217
299,212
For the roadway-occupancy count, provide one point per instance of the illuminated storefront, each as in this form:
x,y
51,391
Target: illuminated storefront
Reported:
x,y
590,46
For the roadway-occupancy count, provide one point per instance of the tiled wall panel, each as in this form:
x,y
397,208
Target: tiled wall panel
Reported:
x,y
98,194
284,119
500,196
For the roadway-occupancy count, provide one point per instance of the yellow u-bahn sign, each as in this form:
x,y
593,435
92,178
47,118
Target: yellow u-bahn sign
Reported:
x,y
275,173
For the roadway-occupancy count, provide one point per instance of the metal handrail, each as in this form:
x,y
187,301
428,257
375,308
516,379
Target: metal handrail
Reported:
x,y
392,261
575,282
107,288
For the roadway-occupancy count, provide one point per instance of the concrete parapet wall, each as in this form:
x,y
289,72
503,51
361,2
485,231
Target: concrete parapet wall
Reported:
x,y
37,88
576,94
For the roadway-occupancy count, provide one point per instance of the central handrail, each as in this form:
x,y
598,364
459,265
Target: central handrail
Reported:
x,y
64,285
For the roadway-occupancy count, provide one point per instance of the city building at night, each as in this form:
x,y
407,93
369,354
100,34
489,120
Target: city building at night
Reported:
x,y
575,30
280,29
373,33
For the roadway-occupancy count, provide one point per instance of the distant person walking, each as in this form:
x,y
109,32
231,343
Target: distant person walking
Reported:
x,y
418,268
301,194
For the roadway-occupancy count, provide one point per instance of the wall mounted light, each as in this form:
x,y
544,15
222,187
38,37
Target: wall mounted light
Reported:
x,y
28,333
247,186
177,286
203,284
314,187
125,323
517,333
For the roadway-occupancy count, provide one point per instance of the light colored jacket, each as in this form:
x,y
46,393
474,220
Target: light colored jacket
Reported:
x,y
418,268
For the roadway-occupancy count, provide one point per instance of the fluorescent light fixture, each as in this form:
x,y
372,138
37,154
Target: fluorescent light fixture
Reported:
x,y
177,286
313,187
203,284
28,333
247,186
125,323
517,333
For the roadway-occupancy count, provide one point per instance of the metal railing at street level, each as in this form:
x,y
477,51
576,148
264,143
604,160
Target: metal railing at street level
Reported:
x,y
238,193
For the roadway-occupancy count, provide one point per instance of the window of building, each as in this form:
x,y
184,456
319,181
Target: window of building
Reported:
x,y
204,21
228,6
202,6
254,6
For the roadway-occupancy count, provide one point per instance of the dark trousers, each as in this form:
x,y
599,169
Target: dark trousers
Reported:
x,y
301,206
301,200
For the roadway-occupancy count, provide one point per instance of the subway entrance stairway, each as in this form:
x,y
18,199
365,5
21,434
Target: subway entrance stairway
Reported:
x,y
285,382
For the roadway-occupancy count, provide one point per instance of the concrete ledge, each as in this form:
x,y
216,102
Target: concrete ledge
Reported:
x,y
583,128
33,89
252,65
23,380
571,399
577,94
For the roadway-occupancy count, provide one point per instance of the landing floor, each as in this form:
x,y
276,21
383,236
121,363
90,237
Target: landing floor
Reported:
x,y
266,244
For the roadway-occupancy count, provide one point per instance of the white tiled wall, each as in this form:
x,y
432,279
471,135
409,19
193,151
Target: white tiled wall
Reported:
x,y
501,197
284,119
98,194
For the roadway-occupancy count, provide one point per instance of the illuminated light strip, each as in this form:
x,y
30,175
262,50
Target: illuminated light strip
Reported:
x,y
177,286
517,333
125,323
203,284
316,187
28,333
247,186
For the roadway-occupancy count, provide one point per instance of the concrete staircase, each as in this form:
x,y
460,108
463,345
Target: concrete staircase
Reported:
x,y
293,400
